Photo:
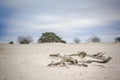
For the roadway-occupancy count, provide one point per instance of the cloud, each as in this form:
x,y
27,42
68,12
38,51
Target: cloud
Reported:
x,y
107,9
67,18
63,26
86,8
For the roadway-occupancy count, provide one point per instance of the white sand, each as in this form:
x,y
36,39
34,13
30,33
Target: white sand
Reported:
x,y
28,62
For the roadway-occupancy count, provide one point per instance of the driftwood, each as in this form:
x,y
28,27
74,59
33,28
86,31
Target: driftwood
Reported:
x,y
102,61
80,54
54,55
68,59
99,56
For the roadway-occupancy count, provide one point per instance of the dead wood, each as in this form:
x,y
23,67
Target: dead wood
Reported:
x,y
97,61
56,63
72,61
64,60
80,54
99,56
54,55
84,65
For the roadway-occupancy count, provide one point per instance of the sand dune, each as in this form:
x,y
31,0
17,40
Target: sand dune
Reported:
x,y
28,62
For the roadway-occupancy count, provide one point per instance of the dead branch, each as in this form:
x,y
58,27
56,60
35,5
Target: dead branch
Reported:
x,y
99,56
63,61
97,61
80,54
72,61
54,55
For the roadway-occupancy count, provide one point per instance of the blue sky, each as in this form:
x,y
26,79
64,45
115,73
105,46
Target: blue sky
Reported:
x,y
67,18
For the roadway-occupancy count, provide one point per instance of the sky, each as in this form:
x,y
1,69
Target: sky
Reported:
x,y
69,19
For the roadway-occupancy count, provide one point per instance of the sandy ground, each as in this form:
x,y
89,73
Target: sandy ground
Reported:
x,y
28,62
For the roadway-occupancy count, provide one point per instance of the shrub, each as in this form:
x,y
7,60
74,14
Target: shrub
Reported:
x,y
11,42
50,37
117,39
24,39
76,40
94,39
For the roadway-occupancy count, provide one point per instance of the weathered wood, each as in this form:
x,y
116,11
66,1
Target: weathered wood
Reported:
x,y
63,61
84,65
69,59
56,63
80,54
54,55
97,61
99,56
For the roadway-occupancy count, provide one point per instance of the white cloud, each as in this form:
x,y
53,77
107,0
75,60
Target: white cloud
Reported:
x,y
65,17
88,8
56,23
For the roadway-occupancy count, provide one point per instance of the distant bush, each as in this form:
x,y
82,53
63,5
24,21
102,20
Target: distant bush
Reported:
x,y
50,37
117,39
24,39
11,42
94,39
76,40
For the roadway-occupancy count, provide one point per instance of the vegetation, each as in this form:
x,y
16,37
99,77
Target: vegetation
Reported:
x,y
24,39
94,39
50,37
117,39
11,42
77,40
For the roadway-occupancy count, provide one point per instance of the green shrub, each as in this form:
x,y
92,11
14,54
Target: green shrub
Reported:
x,y
50,37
